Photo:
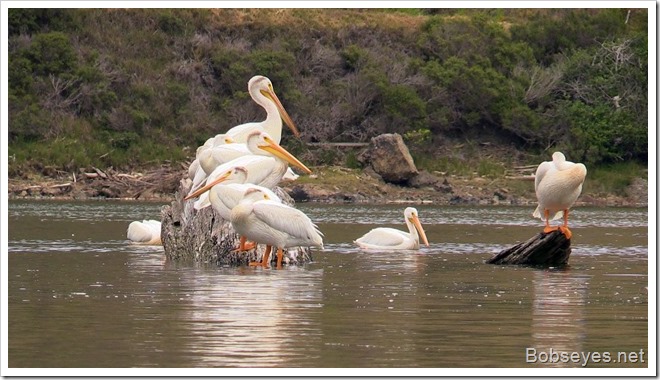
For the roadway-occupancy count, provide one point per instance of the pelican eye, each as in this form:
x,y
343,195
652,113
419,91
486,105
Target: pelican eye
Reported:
x,y
266,197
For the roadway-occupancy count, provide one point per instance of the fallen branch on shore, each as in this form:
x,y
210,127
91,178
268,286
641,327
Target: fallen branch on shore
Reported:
x,y
108,183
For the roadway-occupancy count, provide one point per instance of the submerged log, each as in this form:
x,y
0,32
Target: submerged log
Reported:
x,y
203,236
544,249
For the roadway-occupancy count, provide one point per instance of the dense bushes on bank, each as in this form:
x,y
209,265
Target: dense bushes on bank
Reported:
x,y
129,87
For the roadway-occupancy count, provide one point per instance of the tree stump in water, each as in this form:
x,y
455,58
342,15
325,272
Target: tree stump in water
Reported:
x,y
203,236
544,249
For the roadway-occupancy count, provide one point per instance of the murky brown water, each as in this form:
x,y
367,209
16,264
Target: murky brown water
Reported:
x,y
80,296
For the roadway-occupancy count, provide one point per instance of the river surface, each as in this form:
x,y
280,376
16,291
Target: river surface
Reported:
x,y
79,295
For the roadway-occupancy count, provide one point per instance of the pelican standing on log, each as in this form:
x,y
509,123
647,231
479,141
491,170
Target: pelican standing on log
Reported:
x,y
227,192
261,91
558,184
390,238
265,221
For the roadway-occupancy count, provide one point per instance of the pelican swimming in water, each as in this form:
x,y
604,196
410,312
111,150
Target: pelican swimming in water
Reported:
x,y
265,167
269,222
558,184
390,238
144,232
261,91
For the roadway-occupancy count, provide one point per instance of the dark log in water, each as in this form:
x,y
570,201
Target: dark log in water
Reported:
x,y
544,249
203,236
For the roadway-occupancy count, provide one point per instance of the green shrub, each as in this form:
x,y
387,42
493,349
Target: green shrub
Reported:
x,y
20,76
418,136
351,161
52,54
28,122
354,57
170,23
34,20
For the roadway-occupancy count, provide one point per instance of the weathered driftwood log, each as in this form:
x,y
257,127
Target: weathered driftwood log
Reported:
x,y
203,236
544,249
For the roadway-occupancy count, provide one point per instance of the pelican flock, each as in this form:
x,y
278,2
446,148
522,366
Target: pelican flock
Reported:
x,y
558,184
235,173
248,158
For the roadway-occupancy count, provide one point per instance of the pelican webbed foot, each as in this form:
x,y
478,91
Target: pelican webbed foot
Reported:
x,y
244,245
265,263
549,229
566,232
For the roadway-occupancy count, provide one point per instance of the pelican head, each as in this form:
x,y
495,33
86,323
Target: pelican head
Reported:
x,y
254,194
260,85
222,139
410,214
262,144
558,157
237,174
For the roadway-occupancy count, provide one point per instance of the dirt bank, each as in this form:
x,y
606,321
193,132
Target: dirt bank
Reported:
x,y
327,185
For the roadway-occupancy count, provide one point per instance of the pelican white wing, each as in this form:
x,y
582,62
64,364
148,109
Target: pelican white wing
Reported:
x,y
383,237
291,221
144,232
541,171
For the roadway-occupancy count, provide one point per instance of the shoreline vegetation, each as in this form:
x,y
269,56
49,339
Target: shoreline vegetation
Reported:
x,y
112,103
327,184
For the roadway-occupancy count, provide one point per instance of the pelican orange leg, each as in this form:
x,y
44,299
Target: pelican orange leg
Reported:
x,y
244,245
279,258
564,229
548,228
264,260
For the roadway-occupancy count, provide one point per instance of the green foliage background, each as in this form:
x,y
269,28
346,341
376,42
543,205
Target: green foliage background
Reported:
x,y
134,87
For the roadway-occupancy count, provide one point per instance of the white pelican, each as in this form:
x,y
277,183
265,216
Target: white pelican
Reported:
x,y
265,167
209,143
261,91
224,198
265,221
222,153
208,157
558,184
390,238
144,232
227,192
216,155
